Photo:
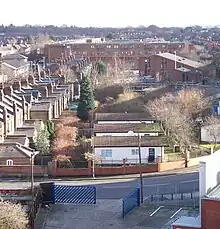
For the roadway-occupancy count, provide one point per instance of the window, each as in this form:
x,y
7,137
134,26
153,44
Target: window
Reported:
x,y
134,151
106,153
9,162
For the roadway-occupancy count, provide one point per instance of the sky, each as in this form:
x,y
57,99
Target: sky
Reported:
x,y
110,13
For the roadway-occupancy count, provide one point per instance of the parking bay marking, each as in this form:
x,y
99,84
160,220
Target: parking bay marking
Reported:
x,y
156,211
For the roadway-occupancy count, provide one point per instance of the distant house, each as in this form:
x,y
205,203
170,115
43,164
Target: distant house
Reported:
x,y
113,150
15,154
15,65
127,129
122,118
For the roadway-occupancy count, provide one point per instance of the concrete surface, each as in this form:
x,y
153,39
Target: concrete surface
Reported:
x,y
107,214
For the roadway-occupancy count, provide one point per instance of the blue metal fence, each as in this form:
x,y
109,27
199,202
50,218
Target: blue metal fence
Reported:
x,y
74,194
131,201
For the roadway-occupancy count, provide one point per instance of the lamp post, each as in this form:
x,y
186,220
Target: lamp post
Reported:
x,y
140,164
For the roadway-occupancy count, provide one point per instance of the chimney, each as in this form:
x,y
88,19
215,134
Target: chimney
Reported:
x,y
1,95
24,83
16,86
50,87
15,115
8,90
5,121
31,79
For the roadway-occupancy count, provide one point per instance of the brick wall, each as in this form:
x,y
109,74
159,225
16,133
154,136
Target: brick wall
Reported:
x,y
16,161
22,170
102,171
210,214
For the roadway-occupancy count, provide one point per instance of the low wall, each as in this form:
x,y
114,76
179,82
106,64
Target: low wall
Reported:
x,y
180,164
104,171
60,172
22,170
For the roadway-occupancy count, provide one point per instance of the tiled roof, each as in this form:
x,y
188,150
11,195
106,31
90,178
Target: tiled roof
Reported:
x,y
41,106
124,128
128,141
181,60
122,117
21,139
14,150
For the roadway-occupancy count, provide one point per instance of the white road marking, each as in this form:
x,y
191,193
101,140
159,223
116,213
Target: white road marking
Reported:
x,y
176,213
156,211
188,181
130,186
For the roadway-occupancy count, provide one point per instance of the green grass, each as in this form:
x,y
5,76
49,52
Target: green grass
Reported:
x,y
209,146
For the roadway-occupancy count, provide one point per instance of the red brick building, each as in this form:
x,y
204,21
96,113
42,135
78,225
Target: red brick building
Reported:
x,y
168,66
134,52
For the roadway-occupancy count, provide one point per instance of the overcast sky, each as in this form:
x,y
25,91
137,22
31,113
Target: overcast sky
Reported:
x,y
115,13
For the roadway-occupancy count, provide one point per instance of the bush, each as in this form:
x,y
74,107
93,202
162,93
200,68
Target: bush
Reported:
x,y
12,216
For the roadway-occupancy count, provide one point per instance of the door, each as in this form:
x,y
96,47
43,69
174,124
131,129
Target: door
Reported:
x,y
151,155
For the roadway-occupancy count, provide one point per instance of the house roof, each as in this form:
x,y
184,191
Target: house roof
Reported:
x,y
21,139
14,150
14,56
16,63
44,106
29,131
181,60
128,141
122,117
124,128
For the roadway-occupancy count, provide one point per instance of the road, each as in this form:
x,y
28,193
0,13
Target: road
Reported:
x,y
115,189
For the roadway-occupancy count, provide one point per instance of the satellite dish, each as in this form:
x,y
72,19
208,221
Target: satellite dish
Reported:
x,y
131,133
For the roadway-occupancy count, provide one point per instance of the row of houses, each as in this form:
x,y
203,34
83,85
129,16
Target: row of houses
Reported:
x,y
119,136
33,97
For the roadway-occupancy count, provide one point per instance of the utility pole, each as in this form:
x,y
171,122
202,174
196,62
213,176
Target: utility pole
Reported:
x,y
140,165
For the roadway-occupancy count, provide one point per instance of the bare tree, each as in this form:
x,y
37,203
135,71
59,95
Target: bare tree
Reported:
x,y
12,216
177,114
213,128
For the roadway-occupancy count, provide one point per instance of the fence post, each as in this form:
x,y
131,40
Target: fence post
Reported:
x,y
123,208
53,194
94,195
138,197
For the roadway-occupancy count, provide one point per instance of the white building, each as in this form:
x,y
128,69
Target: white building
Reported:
x,y
116,149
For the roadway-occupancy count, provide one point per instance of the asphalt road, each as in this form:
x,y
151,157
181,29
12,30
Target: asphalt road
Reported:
x,y
184,183
115,189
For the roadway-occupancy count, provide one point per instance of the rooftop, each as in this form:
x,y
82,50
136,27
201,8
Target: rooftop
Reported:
x,y
41,106
185,221
124,128
214,193
181,60
15,150
122,117
128,141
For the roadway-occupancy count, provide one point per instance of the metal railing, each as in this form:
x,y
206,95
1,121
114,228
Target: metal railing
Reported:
x,y
131,201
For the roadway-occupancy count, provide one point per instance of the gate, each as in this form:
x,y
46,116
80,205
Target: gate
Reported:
x,y
131,201
74,194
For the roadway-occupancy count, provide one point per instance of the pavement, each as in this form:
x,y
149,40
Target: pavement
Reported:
x,y
108,214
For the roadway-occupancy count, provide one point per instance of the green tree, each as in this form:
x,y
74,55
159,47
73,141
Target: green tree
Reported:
x,y
101,67
51,131
41,141
86,101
